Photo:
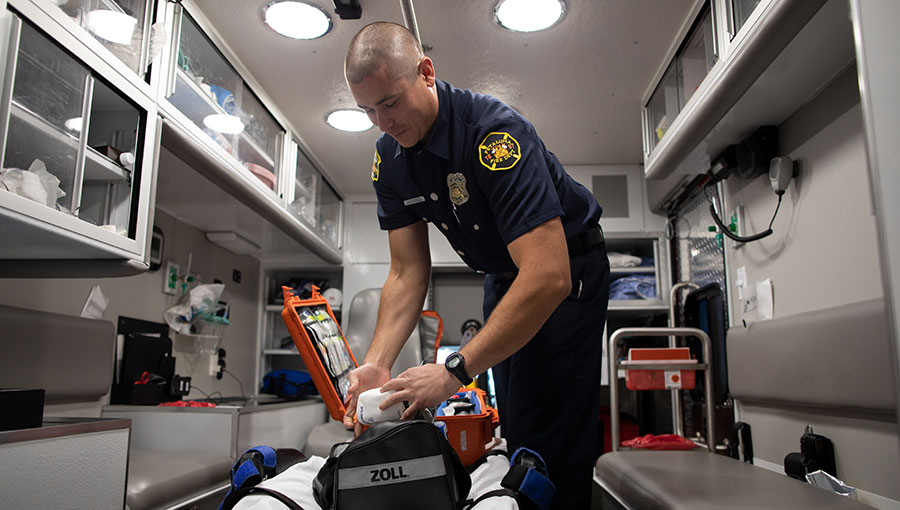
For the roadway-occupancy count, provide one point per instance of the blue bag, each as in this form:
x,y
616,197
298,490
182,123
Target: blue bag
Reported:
x,y
288,383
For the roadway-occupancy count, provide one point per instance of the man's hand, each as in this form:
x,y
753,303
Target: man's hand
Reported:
x,y
424,386
366,377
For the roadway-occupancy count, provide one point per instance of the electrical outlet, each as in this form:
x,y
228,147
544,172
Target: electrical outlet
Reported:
x,y
170,279
213,364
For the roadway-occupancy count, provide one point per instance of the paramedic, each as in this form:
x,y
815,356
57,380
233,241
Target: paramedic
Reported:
x,y
478,171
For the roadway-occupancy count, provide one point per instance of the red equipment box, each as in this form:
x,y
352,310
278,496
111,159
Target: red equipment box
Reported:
x,y
662,379
321,343
469,433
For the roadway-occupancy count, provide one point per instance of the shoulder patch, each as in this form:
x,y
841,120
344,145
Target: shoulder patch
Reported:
x,y
376,166
499,151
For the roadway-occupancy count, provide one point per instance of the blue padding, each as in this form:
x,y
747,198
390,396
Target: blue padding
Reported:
x,y
269,456
521,451
538,488
243,473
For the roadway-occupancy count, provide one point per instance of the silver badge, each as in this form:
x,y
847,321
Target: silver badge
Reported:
x,y
459,195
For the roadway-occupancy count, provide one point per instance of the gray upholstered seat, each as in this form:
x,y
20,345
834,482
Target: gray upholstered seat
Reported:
x,y
157,479
698,480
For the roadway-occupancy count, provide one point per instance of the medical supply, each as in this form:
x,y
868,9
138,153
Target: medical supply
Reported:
x,y
468,422
321,345
368,412
644,379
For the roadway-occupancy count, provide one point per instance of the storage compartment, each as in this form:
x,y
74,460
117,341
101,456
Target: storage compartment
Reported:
x,y
318,337
663,379
211,94
468,433
120,25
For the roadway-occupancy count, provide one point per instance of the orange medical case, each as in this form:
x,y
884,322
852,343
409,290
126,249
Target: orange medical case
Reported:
x,y
321,343
659,379
469,433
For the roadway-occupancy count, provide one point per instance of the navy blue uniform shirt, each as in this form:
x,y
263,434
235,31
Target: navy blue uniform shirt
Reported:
x,y
482,176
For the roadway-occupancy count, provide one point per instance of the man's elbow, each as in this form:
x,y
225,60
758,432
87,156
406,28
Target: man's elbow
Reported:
x,y
559,283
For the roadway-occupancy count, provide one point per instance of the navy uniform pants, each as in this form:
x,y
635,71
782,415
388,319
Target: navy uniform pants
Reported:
x,y
548,392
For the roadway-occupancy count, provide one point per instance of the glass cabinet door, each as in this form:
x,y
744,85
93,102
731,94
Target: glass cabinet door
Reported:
x,y
740,13
329,217
213,96
306,182
71,141
120,25
43,134
693,61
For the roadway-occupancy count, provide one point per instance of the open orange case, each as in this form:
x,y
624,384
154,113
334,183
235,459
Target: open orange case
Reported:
x,y
321,343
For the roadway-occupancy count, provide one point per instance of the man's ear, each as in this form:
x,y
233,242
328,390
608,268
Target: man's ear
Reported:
x,y
426,70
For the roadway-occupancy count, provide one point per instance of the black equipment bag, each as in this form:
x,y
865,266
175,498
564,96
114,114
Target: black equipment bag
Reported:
x,y
405,465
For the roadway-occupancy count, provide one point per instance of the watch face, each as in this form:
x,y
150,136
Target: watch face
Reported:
x,y
453,360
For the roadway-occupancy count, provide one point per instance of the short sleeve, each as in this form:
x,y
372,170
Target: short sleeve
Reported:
x,y
513,173
392,213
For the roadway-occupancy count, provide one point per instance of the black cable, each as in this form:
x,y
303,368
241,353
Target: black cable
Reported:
x,y
727,232
239,382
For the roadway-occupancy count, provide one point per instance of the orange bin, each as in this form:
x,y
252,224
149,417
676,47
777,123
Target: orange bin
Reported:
x,y
469,433
662,379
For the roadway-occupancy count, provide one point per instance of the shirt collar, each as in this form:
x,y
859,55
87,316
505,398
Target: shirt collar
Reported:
x,y
438,142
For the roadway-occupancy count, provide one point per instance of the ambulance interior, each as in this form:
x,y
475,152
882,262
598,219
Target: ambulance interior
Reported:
x,y
743,152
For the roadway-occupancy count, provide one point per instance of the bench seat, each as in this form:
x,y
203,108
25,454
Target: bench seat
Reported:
x,y
161,479
698,480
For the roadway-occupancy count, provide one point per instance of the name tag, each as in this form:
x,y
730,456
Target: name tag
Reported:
x,y
413,201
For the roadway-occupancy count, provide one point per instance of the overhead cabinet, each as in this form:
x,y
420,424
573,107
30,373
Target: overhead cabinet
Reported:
x,y
737,65
76,152
121,26
217,123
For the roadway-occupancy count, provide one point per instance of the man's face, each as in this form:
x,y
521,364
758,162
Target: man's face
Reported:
x,y
404,109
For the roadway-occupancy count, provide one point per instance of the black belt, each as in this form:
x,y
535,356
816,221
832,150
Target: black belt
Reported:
x,y
578,245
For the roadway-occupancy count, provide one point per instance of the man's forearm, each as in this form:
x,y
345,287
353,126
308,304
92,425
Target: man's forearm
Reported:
x,y
516,319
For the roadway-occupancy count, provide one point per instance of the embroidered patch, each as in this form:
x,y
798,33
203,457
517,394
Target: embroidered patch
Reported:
x,y
459,195
499,151
376,164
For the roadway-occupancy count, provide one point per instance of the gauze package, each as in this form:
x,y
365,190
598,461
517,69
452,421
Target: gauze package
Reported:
x,y
367,411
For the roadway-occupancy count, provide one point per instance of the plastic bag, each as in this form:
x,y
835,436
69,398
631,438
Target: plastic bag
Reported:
x,y
198,301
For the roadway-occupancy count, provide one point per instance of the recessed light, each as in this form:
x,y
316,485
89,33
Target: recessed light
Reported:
x,y
528,15
296,19
224,123
349,120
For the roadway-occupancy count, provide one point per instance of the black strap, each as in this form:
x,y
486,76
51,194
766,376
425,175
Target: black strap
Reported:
x,y
290,503
579,244
467,504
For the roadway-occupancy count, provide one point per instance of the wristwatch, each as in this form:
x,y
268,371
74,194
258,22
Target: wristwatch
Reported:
x,y
456,365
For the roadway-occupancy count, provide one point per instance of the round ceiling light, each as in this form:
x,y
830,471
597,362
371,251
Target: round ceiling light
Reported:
x,y
349,120
297,19
528,15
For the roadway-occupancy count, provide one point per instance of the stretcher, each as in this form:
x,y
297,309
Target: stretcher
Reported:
x,y
296,483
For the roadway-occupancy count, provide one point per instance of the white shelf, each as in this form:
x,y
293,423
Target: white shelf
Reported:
x,y
97,167
638,304
212,107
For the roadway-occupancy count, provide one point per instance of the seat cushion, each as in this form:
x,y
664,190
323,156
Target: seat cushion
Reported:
x,y
698,480
323,437
161,479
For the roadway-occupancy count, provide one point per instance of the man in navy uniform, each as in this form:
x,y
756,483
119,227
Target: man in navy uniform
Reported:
x,y
477,170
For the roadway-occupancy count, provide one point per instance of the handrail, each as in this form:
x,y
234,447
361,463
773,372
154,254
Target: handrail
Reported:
x,y
707,376
677,409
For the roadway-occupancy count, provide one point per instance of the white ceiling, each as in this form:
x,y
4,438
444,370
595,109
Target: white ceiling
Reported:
x,y
580,83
